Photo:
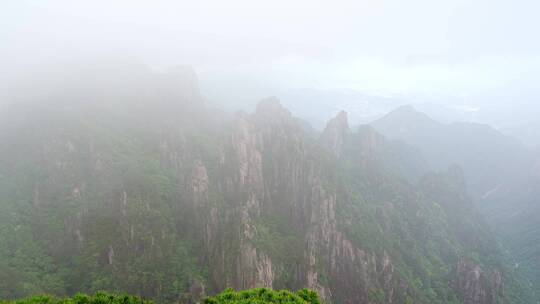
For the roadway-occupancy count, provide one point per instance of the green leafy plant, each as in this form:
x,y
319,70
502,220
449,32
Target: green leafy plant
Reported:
x,y
264,296
98,298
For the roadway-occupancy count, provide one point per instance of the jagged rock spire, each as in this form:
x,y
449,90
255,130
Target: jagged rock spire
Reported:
x,y
271,107
181,82
333,136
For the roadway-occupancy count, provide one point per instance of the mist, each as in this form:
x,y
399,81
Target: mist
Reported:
x,y
373,151
477,60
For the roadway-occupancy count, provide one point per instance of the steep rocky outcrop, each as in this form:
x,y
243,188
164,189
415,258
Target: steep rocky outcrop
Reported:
x,y
476,286
335,133
268,171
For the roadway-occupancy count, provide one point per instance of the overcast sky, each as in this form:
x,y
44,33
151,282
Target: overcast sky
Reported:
x,y
452,48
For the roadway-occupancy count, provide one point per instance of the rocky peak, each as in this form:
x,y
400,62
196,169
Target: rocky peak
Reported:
x,y
271,108
407,111
402,121
181,82
333,136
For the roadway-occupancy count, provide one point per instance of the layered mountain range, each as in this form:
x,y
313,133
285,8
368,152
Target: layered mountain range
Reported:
x,y
128,182
501,175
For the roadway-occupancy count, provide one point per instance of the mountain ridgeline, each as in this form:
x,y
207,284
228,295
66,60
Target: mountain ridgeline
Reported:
x,y
131,184
502,176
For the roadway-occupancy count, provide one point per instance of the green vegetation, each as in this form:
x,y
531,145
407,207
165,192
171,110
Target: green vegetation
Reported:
x,y
252,296
98,298
264,296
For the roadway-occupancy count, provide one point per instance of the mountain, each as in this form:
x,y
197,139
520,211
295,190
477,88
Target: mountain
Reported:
x,y
513,211
488,158
528,133
314,105
134,185
501,175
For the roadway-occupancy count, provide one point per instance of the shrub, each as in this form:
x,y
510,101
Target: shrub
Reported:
x,y
264,296
98,298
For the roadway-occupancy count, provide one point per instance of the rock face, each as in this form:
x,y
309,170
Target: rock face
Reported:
x,y
267,171
476,286
335,133
276,175
189,204
331,264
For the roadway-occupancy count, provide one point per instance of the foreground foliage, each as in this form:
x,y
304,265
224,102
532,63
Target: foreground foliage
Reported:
x,y
252,296
98,298
264,296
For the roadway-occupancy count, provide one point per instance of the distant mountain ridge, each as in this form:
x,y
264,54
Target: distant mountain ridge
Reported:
x,y
499,170
487,156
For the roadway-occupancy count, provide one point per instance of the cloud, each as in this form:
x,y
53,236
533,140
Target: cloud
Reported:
x,y
450,47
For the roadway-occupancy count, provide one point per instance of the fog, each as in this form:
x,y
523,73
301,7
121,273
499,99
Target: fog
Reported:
x,y
457,60
284,151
